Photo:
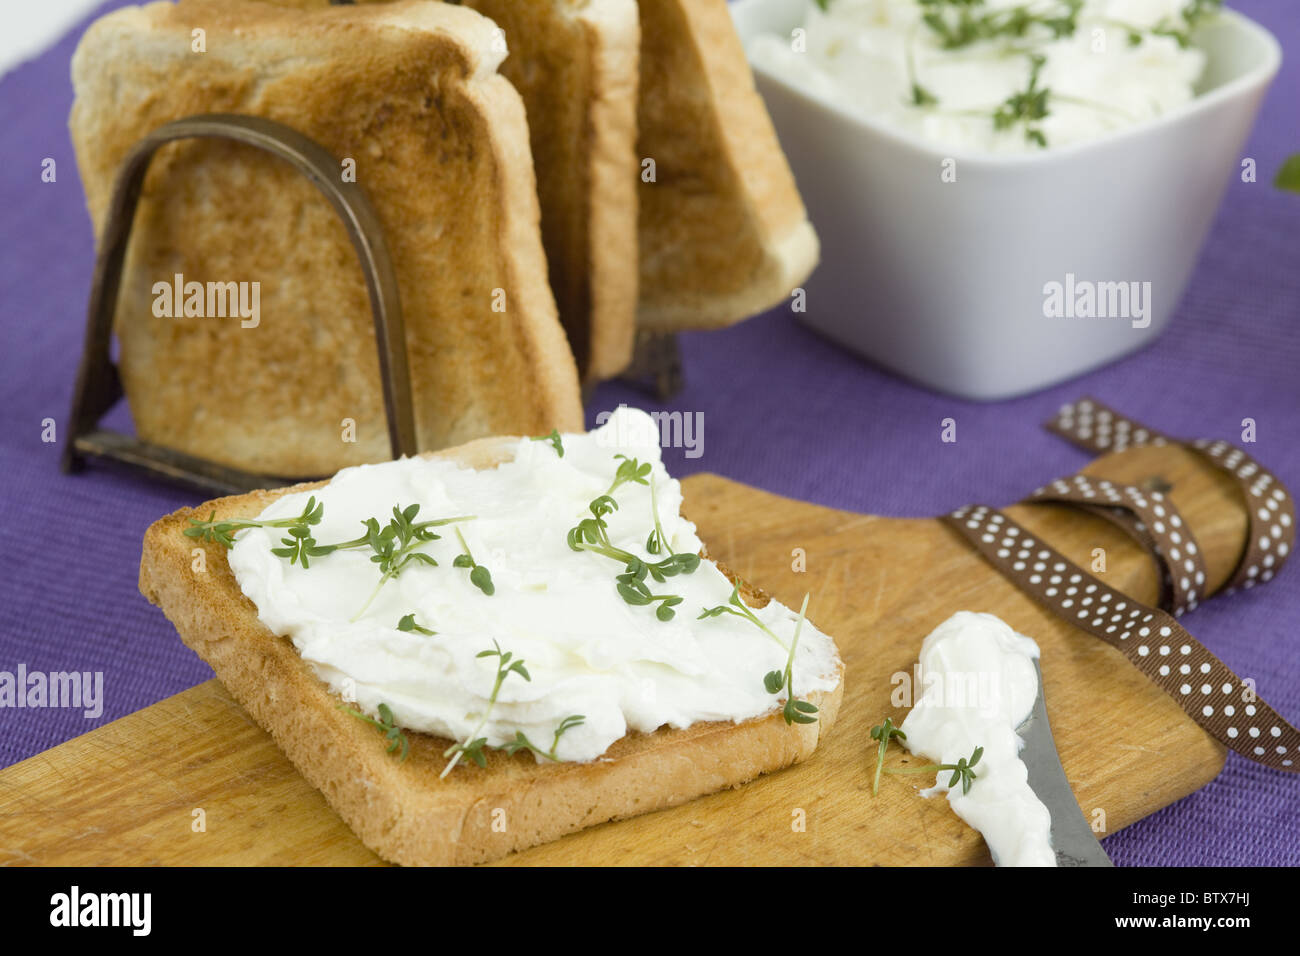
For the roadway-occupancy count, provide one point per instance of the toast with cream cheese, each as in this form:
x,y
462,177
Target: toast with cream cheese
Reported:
x,y
418,810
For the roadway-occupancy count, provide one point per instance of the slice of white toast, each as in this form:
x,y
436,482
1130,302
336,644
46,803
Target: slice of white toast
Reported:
x,y
723,232
404,810
408,97
575,66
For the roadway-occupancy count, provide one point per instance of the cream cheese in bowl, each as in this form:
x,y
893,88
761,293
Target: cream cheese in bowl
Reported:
x,y
945,238
998,75
588,652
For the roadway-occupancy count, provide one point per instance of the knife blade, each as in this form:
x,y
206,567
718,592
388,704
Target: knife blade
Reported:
x,y
1072,836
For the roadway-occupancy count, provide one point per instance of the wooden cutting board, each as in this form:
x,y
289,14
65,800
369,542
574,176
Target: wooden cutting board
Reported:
x,y
130,792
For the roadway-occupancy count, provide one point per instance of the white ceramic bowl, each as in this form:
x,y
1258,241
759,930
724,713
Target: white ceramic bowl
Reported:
x,y
943,282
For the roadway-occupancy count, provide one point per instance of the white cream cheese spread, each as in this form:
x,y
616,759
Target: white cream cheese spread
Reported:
x,y
980,685
1111,64
587,651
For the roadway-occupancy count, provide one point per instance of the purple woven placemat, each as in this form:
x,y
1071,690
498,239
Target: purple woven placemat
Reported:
x,y
782,409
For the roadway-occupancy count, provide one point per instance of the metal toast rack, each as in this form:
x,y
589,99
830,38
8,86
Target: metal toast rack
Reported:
x,y
98,386
656,365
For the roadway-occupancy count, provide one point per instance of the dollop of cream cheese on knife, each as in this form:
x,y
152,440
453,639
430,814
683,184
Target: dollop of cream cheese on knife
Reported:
x,y
979,686
588,652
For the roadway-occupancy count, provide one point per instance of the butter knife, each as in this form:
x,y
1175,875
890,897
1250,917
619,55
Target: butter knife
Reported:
x,y
1072,837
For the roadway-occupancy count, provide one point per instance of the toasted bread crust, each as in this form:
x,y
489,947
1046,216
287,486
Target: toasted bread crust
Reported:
x,y
440,143
402,810
723,231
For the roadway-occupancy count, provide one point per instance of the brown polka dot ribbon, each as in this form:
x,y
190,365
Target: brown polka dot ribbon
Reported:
x,y
1152,639
1270,508
1152,520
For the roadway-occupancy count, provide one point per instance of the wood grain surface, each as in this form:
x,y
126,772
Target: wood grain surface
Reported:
x,y
127,793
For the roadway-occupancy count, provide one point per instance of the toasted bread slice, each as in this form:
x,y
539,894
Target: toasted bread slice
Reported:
x,y
723,232
574,62
402,810
408,93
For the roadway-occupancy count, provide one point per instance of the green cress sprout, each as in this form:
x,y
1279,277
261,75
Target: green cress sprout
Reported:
x,y
884,732
795,711
474,745
963,771
554,439
223,531
479,576
408,624
392,733
521,742
394,545
592,534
